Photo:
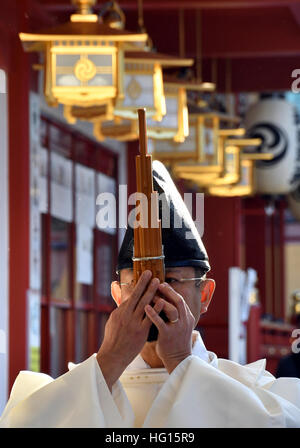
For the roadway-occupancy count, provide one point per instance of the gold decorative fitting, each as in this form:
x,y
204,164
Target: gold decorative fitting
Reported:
x,y
112,15
84,11
85,69
93,114
134,89
119,129
84,6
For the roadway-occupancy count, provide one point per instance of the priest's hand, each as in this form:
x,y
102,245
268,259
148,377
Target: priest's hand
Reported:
x,y
127,329
174,342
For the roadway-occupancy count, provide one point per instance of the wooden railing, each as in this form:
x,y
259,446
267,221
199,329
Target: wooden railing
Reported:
x,y
266,339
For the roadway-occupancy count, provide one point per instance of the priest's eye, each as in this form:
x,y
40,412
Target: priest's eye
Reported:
x,y
171,280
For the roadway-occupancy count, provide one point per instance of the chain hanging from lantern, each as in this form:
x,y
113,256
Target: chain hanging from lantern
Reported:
x,y
213,157
144,87
175,125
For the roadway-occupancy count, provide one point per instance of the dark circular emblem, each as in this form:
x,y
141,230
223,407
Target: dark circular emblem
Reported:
x,y
274,140
296,194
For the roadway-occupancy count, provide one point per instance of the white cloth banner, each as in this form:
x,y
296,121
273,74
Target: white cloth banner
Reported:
x,y
35,248
43,179
84,254
61,188
106,198
35,226
85,196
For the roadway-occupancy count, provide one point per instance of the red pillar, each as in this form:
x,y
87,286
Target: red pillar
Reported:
x,y
223,239
19,205
254,338
264,251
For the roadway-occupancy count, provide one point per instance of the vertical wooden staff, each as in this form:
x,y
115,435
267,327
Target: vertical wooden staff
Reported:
x,y
148,250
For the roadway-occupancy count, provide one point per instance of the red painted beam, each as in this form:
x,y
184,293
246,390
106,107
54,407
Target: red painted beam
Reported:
x,y
63,5
205,4
222,239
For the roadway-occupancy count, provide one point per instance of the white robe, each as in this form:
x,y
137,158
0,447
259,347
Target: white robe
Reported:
x,y
203,391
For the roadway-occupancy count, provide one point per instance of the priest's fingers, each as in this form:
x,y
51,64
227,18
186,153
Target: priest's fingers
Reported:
x,y
158,307
155,318
171,295
139,289
147,297
169,309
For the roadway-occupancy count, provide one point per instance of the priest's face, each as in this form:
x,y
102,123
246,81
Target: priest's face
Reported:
x,y
197,294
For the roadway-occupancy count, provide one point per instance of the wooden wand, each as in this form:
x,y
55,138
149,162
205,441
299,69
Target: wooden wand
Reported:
x,y
148,250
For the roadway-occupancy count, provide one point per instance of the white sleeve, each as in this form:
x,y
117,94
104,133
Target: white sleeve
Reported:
x,y
199,395
79,398
287,388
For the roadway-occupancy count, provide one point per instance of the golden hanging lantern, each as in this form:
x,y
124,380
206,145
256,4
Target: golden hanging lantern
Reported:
x,y
119,129
175,125
204,142
144,85
83,59
143,77
237,177
246,186
93,114
230,156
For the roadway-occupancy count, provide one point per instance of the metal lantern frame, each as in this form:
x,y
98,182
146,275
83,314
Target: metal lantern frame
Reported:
x,y
164,129
240,179
146,66
83,61
209,165
177,90
202,126
120,129
245,187
247,183
123,126
125,129
234,156
93,114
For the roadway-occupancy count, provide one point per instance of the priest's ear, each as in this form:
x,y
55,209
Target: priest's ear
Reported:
x,y
115,290
207,291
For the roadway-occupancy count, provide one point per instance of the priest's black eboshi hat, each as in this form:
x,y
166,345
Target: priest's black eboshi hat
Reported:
x,y
178,249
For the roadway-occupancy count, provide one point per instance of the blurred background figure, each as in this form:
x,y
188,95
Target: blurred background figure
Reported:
x,y
289,365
